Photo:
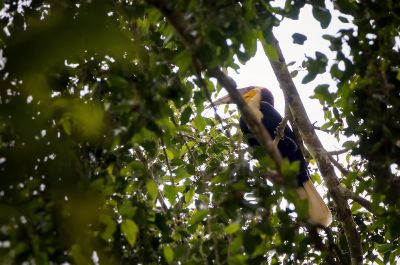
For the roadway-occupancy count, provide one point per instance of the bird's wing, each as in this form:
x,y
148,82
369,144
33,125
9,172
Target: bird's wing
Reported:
x,y
287,146
271,120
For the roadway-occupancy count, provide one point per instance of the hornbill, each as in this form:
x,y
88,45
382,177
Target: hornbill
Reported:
x,y
261,101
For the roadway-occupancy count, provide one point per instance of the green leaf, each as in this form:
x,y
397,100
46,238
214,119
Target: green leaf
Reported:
x,y
79,256
168,254
322,15
294,73
127,209
198,216
184,60
317,178
199,123
250,42
169,153
251,241
349,144
189,195
343,19
299,38
289,170
271,52
346,6
232,228
152,189
130,231
236,244
238,259
170,192
185,116
355,207
66,125
308,78
108,232
322,93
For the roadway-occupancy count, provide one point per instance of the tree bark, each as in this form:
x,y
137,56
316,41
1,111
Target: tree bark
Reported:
x,y
317,151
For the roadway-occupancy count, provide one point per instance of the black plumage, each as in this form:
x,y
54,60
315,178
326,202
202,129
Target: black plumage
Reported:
x,y
287,146
261,101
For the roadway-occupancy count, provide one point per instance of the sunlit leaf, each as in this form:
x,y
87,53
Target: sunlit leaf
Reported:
x,y
232,228
152,189
271,52
170,192
130,231
168,254
198,216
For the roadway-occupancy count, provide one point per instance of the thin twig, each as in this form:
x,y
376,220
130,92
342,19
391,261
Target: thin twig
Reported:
x,y
335,247
341,151
167,162
318,243
280,130
338,165
274,177
160,197
181,26
184,141
320,129
348,193
215,242
203,84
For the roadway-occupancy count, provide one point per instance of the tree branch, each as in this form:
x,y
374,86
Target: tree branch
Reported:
x,y
144,161
362,201
341,151
317,151
301,120
335,247
331,258
280,130
299,138
171,179
263,137
338,165
348,193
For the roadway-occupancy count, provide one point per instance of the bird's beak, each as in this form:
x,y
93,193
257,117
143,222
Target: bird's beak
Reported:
x,y
227,99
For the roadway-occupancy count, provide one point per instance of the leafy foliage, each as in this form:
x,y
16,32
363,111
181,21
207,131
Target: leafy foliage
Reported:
x,y
106,155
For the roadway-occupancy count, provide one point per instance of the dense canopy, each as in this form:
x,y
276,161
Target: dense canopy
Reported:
x,y
107,155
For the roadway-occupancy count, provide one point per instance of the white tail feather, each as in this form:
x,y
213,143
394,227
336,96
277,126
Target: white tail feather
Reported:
x,y
318,211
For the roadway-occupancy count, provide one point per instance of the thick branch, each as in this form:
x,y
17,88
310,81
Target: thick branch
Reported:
x,y
263,137
261,134
362,201
338,165
317,151
297,134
